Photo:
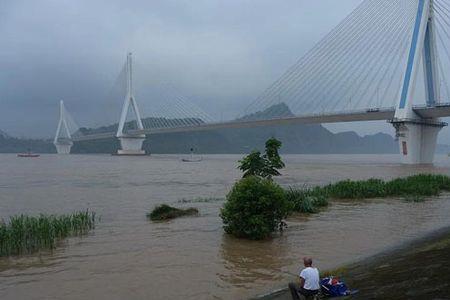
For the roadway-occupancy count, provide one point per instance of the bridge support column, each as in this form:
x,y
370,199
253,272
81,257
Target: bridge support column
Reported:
x,y
63,148
63,139
417,136
417,139
131,145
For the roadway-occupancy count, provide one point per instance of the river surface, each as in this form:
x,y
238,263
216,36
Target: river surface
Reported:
x,y
128,257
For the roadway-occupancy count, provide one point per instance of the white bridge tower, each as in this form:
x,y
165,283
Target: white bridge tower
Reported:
x,y
131,144
63,138
417,136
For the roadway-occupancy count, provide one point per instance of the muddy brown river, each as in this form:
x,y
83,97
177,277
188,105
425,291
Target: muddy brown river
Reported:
x,y
128,257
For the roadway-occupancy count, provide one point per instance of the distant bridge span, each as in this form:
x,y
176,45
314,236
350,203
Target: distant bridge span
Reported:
x,y
365,69
441,110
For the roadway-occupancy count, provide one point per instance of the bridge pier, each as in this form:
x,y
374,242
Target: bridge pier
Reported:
x,y
417,139
63,139
417,136
131,145
63,148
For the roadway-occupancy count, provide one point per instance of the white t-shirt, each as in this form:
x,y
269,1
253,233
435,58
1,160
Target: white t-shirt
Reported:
x,y
311,276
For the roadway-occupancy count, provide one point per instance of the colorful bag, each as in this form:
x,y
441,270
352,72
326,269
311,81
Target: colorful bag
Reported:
x,y
333,287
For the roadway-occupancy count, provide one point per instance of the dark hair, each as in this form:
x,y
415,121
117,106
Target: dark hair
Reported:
x,y
307,261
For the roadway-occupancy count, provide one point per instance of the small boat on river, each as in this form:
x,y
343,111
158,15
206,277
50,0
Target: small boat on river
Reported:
x,y
28,154
192,158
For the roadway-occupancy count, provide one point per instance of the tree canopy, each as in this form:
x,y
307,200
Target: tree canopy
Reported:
x,y
266,165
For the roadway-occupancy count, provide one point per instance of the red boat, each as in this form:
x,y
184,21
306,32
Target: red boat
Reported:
x,y
27,155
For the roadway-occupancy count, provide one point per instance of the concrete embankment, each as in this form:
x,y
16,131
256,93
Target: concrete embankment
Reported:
x,y
419,269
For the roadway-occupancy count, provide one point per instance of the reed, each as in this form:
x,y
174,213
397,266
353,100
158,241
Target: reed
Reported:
x,y
413,189
201,200
416,185
306,200
27,234
166,212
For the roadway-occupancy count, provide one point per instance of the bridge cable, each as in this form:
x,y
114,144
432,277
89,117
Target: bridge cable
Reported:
x,y
313,53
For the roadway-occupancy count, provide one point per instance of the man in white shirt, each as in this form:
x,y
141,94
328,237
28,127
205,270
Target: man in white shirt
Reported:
x,y
308,284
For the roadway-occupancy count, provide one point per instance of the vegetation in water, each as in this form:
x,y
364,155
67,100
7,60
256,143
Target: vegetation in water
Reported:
x,y
416,185
26,234
255,208
200,200
306,200
413,189
266,165
166,212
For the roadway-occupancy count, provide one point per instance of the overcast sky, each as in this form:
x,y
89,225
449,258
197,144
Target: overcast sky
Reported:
x,y
221,54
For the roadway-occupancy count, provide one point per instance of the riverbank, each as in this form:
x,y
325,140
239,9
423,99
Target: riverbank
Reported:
x,y
419,269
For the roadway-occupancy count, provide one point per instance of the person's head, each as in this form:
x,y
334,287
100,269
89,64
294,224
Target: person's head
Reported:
x,y
307,261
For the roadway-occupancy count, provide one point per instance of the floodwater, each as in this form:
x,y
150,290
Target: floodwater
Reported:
x,y
128,257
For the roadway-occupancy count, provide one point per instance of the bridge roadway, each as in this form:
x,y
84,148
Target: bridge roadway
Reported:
x,y
375,114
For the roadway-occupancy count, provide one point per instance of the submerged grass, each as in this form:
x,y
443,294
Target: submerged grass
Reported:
x,y
306,200
166,212
26,234
201,200
413,189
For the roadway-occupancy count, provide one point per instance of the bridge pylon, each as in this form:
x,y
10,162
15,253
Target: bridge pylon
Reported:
x,y
63,139
417,136
131,144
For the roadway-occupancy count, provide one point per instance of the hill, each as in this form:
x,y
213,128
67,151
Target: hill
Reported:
x,y
300,138
10,144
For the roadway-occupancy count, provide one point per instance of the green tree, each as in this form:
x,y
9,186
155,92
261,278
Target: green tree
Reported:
x,y
266,165
255,208
253,165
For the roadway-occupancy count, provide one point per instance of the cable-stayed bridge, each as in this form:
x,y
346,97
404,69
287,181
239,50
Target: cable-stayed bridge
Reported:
x,y
370,67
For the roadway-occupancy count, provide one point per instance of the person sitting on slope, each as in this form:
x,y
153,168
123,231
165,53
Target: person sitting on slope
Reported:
x,y
308,284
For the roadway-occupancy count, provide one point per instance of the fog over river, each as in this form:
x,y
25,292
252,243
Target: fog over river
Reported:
x,y
129,257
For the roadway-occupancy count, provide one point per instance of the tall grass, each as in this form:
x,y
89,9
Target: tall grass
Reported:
x,y
26,234
306,200
201,200
414,187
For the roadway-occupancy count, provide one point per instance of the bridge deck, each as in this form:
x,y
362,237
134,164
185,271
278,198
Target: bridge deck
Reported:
x,y
441,110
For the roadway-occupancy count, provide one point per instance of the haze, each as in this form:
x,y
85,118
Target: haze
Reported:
x,y
219,54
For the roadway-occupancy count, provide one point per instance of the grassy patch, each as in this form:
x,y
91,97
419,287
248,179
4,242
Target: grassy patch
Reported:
x,y
306,200
24,234
413,189
418,185
201,200
166,212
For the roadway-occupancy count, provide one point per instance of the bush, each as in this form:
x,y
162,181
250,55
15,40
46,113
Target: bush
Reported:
x,y
166,212
255,208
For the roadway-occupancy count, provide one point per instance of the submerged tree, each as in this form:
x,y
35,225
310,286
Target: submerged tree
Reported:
x,y
266,165
255,208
